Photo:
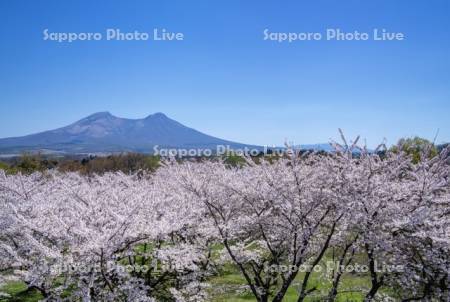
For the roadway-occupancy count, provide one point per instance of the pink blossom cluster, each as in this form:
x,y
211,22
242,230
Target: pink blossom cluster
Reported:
x,y
348,207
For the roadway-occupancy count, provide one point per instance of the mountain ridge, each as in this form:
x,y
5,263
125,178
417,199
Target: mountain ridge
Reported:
x,y
104,132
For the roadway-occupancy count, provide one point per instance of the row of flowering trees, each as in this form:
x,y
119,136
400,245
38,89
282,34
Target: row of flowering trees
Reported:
x,y
161,237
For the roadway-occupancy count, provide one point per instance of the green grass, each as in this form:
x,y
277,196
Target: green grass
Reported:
x,y
232,280
19,293
230,285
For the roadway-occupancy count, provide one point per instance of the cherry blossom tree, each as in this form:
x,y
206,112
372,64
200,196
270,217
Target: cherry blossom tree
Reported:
x,y
292,211
91,237
161,236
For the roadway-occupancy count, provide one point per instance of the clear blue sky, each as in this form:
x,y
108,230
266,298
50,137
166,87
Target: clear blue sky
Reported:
x,y
224,79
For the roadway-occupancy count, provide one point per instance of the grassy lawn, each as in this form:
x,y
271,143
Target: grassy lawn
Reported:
x,y
233,281
18,292
230,285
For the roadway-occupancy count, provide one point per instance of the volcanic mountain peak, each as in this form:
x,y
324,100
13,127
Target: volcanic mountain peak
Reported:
x,y
104,132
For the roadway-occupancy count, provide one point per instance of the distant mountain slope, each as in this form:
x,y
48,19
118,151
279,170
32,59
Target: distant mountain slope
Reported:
x,y
103,132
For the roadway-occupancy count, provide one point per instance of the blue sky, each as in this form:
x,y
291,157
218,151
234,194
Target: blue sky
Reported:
x,y
223,78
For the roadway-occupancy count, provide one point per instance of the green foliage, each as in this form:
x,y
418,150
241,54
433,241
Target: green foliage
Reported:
x,y
28,163
18,291
234,160
416,147
127,163
6,167
152,162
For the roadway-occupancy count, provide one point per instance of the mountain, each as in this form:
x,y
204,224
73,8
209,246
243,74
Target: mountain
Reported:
x,y
104,133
